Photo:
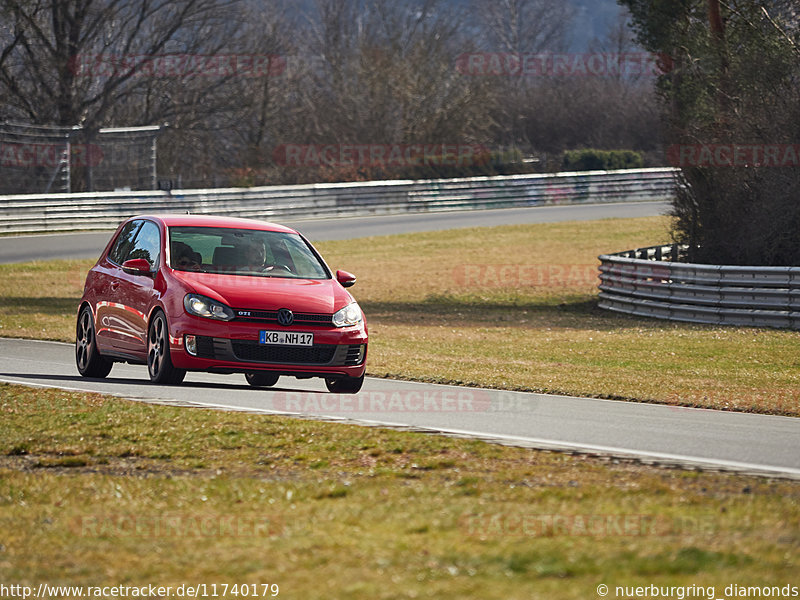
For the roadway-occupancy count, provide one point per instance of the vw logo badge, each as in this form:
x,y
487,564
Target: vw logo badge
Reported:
x,y
285,317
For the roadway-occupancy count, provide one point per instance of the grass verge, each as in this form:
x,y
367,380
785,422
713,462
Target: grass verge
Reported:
x,y
97,491
507,307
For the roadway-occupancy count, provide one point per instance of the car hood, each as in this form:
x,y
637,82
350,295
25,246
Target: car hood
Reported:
x,y
324,296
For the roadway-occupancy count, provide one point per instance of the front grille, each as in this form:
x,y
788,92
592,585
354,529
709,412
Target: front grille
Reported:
x,y
355,355
271,316
255,352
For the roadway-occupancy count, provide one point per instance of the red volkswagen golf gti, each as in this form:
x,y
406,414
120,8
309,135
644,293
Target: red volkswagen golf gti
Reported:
x,y
198,293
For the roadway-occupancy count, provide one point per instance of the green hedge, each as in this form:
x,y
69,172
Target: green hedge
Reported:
x,y
601,160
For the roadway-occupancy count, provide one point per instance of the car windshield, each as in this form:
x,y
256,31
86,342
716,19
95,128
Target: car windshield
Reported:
x,y
244,252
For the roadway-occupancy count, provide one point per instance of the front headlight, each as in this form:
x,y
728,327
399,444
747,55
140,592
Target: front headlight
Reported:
x,y
202,306
348,316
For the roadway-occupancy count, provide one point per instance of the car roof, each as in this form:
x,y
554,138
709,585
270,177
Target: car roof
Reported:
x,y
184,220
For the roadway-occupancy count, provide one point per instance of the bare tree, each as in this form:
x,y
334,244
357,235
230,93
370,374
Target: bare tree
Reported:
x,y
524,25
46,44
265,108
95,63
519,27
382,72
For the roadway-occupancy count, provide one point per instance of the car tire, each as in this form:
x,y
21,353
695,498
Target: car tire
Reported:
x,y
159,362
344,385
262,379
88,359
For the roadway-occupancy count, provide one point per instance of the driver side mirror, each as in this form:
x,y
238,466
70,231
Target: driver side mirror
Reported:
x,y
137,266
345,278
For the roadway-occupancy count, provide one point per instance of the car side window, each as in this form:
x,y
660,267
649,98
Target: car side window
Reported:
x,y
125,242
147,244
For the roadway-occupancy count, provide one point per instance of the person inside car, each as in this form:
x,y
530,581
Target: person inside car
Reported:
x,y
185,258
255,255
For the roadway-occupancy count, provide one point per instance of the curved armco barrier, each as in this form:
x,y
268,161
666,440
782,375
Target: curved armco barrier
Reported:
x,y
649,282
104,210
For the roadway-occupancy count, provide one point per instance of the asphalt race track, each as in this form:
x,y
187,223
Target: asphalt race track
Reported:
x,y
90,244
760,444
664,434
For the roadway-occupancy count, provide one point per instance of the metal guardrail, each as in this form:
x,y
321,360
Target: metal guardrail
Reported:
x,y
649,282
102,210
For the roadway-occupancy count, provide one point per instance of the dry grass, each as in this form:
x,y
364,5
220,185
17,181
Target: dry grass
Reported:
x,y
99,491
39,300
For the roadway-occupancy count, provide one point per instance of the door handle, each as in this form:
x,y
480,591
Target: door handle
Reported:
x,y
114,286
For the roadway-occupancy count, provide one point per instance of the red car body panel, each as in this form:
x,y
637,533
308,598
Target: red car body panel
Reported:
x,y
318,296
123,303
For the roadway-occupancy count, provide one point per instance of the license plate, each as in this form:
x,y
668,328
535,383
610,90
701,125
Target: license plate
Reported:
x,y
286,338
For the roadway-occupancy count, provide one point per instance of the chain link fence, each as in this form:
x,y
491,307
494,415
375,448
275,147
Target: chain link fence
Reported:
x,y
42,159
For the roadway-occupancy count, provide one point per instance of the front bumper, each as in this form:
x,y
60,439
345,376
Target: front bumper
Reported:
x,y
233,347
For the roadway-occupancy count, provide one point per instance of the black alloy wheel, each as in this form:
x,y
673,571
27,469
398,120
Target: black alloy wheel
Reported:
x,y
90,362
159,363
